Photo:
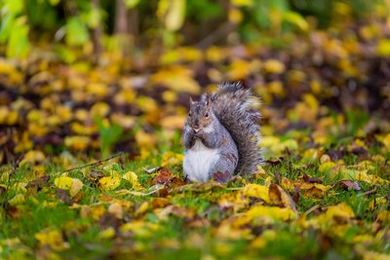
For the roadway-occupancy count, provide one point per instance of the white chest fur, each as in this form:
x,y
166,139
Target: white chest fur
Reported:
x,y
198,162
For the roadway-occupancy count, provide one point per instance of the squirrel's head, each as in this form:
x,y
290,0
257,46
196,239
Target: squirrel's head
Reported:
x,y
201,113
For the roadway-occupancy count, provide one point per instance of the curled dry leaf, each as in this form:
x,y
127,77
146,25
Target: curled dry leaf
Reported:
x,y
279,197
349,185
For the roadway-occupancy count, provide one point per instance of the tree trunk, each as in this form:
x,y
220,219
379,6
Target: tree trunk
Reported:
x,y
133,29
96,32
121,21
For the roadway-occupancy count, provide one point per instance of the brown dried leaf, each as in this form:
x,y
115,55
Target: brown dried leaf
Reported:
x,y
349,185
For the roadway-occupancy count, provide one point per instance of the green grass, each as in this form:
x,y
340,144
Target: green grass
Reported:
x,y
177,234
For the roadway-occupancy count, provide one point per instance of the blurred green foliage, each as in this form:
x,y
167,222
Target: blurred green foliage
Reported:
x,y
168,22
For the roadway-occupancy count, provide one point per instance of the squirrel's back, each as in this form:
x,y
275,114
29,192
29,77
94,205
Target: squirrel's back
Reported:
x,y
234,107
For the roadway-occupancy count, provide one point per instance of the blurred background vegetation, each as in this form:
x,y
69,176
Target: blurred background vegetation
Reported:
x,y
90,75
126,26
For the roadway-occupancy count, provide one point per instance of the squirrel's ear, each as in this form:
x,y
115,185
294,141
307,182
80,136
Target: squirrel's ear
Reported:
x,y
208,100
191,101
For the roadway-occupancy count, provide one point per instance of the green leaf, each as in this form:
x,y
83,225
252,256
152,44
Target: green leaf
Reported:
x,y
108,136
76,32
14,6
131,3
6,26
175,15
296,19
54,2
18,43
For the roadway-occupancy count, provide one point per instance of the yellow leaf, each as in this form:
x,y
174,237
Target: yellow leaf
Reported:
x,y
77,142
116,210
310,155
100,109
33,156
52,238
384,216
63,182
6,68
274,66
110,182
74,185
383,48
97,89
314,189
17,199
242,2
181,54
256,191
169,96
173,13
235,15
64,113
333,216
82,129
279,197
240,69
177,78
170,159
133,179
147,104
144,139
215,54
340,210
125,96
386,142
296,19
142,209
77,185
107,233
173,122
123,120
227,232
372,255
369,178
326,166
140,228
266,214
276,88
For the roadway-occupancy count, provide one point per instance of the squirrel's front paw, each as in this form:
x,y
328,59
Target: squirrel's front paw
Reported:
x,y
221,177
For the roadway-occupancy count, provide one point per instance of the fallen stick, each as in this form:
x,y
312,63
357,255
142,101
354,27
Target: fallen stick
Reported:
x,y
93,163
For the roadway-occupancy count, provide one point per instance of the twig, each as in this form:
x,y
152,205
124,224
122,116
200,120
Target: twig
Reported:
x,y
94,163
215,35
235,188
368,192
315,207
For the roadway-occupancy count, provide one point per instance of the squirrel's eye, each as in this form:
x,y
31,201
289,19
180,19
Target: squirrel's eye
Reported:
x,y
189,114
206,115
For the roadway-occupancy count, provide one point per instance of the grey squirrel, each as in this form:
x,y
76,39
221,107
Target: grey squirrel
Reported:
x,y
221,135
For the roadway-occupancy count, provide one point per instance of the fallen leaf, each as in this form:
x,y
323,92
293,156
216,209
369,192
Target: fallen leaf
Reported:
x,y
256,191
73,185
132,177
349,185
163,176
279,197
52,238
110,182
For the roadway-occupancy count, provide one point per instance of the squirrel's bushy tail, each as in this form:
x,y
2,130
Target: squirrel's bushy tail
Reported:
x,y
234,107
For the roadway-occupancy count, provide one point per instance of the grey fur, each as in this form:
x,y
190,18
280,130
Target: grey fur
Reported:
x,y
219,138
232,105
233,131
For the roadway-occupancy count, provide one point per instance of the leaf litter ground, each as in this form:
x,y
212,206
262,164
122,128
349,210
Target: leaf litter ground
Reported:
x,y
323,192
